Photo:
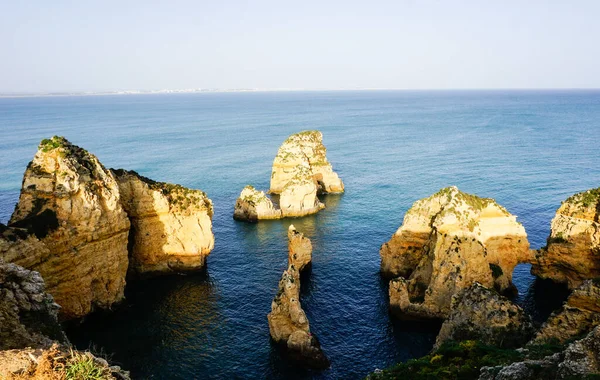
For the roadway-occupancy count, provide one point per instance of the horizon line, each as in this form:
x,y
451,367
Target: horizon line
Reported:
x,y
17,94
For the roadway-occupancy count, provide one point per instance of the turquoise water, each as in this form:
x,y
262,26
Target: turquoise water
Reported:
x,y
527,149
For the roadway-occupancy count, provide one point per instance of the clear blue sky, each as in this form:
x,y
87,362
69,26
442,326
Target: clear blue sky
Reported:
x,y
112,45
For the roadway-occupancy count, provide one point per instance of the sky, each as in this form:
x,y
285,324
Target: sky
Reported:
x,y
49,46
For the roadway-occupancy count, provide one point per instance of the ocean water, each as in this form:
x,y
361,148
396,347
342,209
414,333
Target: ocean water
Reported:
x,y
527,149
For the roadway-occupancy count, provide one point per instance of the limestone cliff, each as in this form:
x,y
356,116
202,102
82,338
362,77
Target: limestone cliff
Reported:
x,y
572,254
71,203
481,314
299,249
253,205
28,315
304,149
171,225
578,316
446,243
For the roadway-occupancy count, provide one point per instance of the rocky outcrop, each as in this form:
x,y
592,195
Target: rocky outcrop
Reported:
x,y
28,315
288,324
306,150
572,254
478,313
578,361
300,172
578,316
253,205
71,203
446,243
299,249
171,225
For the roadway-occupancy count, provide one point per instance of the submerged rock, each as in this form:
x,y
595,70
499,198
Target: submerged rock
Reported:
x,y
299,249
71,203
253,205
171,225
304,149
446,243
478,313
578,316
288,324
572,254
28,315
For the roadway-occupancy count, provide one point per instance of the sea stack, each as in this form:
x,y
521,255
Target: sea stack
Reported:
x,y
171,225
300,172
70,201
253,205
572,254
288,324
446,243
304,150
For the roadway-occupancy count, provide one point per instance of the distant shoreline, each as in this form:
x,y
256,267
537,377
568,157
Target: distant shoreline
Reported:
x,y
216,91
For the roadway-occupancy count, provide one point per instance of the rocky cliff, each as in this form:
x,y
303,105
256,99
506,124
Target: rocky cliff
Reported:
x,y
578,316
71,203
28,315
580,360
299,195
304,149
446,243
171,225
478,313
572,254
253,205
288,324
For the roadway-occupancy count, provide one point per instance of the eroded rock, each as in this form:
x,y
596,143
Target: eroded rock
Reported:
x,y
446,243
572,254
478,313
253,205
304,149
299,249
578,316
288,324
28,315
171,225
71,203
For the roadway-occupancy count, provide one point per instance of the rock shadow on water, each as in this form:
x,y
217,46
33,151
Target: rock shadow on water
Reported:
x,y
158,322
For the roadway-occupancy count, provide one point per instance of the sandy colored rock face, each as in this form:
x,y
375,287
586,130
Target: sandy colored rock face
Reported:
x,y
446,243
478,313
299,249
288,324
304,149
71,203
578,316
572,254
299,195
28,315
171,226
253,205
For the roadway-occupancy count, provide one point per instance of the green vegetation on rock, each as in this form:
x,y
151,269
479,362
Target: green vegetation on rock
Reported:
x,y
454,360
586,199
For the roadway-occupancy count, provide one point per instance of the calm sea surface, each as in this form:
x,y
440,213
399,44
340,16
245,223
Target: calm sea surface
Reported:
x,y
528,150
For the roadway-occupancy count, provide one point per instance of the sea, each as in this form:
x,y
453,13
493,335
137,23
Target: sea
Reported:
x,y
527,149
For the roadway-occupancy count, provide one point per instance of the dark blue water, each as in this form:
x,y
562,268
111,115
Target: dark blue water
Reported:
x,y
527,149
